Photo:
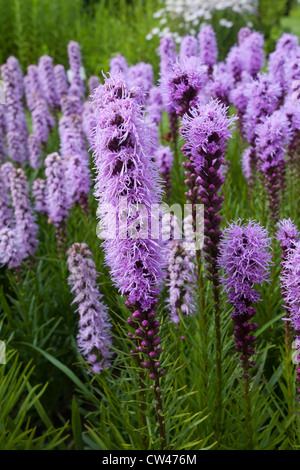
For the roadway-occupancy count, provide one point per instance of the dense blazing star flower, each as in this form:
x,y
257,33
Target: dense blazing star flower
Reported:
x,y
9,248
77,87
118,65
290,281
206,131
71,104
39,192
253,50
272,138
72,140
164,157
280,63
127,172
88,121
47,80
155,105
15,118
26,227
222,84
292,112
245,261
188,48
61,81
33,88
239,98
16,76
35,151
184,83
208,47
141,75
293,74
94,336
57,197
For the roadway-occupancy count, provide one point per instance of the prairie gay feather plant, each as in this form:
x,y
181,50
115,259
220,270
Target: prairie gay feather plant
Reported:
x,y
126,174
94,336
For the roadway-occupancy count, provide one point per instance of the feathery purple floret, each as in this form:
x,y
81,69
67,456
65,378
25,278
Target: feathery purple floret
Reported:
x,y
243,34
26,227
94,336
208,47
3,149
155,105
184,82
6,215
222,84
245,260
235,63
78,179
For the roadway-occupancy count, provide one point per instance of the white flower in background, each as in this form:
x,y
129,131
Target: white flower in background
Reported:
x,y
190,13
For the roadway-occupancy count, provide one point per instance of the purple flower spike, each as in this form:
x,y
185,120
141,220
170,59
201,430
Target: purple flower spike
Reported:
x,y
235,63
155,105
39,192
77,87
141,76
208,47
3,149
287,234
245,259
206,131
26,227
222,84
188,48
78,180
184,82
126,174
58,200
243,34
35,151
47,80
9,248
93,83
94,337
253,48
61,81
6,215
118,65
164,157
272,138
290,278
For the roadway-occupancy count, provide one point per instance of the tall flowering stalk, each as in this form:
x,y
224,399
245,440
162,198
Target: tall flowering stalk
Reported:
x,y
94,336
208,48
39,192
15,118
77,86
6,214
290,280
272,138
61,81
126,172
47,81
206,130
288,236
26,227
188,48
57,197
245,260
35,151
